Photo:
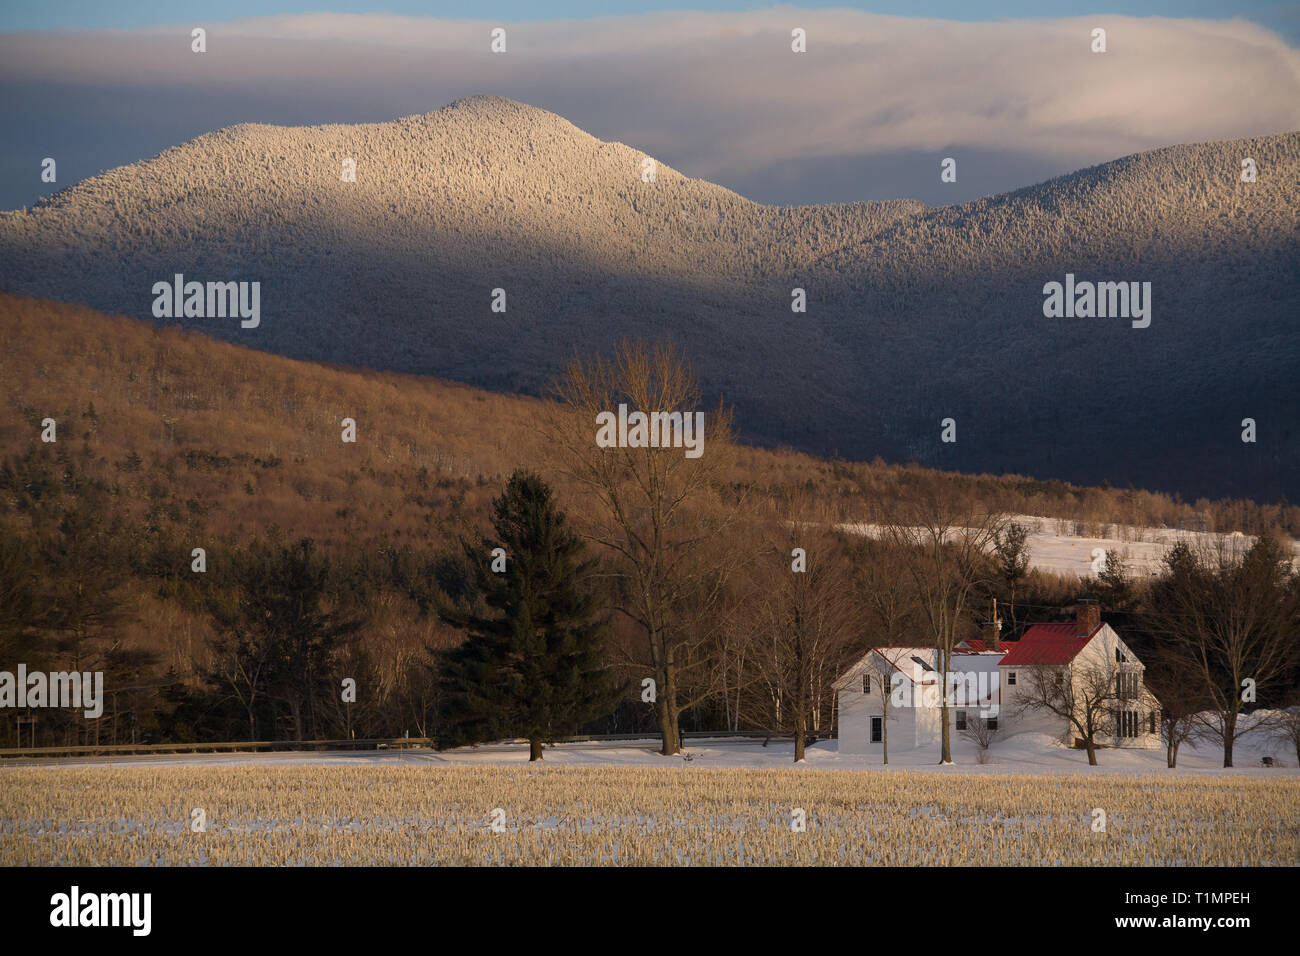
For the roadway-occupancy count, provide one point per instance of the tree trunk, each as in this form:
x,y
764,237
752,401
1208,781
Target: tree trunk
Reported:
x,y
666,702
800,702
310,722
1229,737
946,746
667,729
534,749
726,697
816,703
1092,752
295,708
884,734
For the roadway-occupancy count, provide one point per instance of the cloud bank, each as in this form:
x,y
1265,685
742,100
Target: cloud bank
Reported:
x,y
867,113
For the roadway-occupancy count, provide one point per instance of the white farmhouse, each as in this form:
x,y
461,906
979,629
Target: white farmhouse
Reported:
x,y
863,706
1087,659
891,696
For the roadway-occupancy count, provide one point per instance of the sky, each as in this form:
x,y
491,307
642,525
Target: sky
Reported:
x,y
869,112
1282,16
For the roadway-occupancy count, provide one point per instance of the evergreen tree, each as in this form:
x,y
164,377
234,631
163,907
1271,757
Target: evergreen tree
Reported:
x,y
1011,556
1114,587
533,663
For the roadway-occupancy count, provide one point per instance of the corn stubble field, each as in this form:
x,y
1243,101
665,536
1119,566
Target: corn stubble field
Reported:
x,y
276,816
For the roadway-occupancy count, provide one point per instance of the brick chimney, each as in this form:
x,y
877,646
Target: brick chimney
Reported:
x,y
991,632
1087,615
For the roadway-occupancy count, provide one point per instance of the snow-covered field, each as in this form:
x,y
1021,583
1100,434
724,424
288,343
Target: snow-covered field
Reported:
x,y
1053,545
1019,754
729,804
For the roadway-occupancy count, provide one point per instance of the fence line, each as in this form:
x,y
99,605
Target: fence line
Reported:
x,y
380,743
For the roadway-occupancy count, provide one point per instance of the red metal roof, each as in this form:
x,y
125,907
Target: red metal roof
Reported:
x,y
1049,644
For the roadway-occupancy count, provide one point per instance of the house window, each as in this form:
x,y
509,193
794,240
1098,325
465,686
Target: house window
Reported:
x,y
961,720
1126,723
992,723
1011,678
877,729
1151,722
866,683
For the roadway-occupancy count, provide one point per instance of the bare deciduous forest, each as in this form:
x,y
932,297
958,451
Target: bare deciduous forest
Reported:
x,y
170,441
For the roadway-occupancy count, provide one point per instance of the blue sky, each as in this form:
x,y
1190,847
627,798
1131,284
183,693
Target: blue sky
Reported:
x,y
1280,15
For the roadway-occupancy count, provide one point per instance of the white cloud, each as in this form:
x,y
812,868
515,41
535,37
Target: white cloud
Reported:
x,y
720,96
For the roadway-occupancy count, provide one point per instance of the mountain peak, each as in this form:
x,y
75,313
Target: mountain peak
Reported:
x,y
913,315
489,108
490,103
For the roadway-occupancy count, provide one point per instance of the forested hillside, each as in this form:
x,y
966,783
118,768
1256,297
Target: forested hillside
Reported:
x,y
169,441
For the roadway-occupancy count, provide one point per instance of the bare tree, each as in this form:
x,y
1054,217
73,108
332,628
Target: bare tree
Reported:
x,y
657,507
743,650
1210,724
981,731
804,623
1177,685
1231,617
880,675
945,552
891,610
1284,728
1080,694
736,675
890,613
239,663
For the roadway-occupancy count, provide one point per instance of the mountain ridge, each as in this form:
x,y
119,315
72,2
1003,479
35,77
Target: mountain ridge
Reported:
x,y
915,313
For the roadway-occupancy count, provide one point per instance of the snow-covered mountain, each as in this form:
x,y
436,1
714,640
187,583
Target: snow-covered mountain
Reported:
x,y
914,314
